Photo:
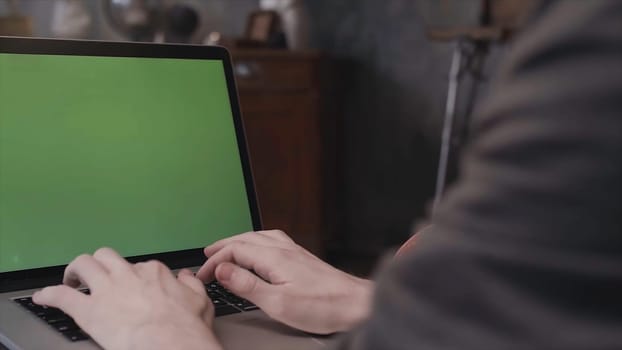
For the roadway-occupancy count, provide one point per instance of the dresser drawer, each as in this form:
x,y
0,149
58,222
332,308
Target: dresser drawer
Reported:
x,y
283,98
275,72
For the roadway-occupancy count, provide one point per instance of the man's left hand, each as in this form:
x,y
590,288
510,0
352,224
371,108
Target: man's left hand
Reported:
x,y
140,306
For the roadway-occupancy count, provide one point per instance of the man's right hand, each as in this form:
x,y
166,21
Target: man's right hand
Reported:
x,y
291,285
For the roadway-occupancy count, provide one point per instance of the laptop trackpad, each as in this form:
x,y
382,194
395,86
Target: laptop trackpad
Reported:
x,y
255,330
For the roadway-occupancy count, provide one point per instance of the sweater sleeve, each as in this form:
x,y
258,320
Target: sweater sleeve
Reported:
x,y
526,250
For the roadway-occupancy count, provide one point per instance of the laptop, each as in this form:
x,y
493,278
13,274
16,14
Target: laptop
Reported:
x,y
138,147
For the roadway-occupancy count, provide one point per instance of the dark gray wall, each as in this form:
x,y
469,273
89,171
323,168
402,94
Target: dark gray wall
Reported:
x,y
396,83
395,87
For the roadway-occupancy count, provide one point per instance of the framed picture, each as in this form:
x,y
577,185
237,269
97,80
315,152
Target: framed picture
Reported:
x,y
14,24
262,26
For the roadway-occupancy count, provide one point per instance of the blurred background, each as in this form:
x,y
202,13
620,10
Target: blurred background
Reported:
x,y
344,101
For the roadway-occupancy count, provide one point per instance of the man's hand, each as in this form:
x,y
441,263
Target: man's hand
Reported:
x,y
140,306
290,285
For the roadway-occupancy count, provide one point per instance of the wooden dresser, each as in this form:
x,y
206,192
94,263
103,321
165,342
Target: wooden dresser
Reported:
x,y
290,127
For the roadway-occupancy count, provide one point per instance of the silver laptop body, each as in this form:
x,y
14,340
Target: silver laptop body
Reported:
x,y
139,147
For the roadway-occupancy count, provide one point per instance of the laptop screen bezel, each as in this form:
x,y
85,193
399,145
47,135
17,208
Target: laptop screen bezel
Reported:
x,y
39,277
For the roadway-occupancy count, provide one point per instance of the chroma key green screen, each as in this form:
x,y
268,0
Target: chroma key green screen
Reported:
x,y
137,154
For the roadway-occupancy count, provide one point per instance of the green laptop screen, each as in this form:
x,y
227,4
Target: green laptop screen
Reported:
x,y
137,154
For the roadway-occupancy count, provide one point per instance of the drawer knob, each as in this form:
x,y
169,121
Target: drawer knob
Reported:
x,y
245,70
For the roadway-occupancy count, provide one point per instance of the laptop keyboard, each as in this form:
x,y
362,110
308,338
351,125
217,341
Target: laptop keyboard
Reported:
x,y
225,303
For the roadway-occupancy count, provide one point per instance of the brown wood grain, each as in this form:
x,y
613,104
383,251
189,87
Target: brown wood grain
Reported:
x,y
282,101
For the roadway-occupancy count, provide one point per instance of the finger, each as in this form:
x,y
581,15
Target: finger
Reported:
x,y
192,282
204,273
249,237
225,241
208,314
85,270
246,285
186,277
111,260
153,270
71,301
258,258
227,253
185,272
278,235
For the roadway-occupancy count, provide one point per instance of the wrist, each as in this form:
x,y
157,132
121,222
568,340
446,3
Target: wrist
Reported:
x,y
357,305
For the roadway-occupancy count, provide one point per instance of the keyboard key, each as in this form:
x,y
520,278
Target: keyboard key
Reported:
x,y
218,302
213,294
32,306
246,305
214,286
52,319
52,316
225,303
232,298
225,310
50,311
66,326
217,292
76,335
23,301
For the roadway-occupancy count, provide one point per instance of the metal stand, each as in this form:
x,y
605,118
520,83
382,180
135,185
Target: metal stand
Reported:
x,y
448,123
